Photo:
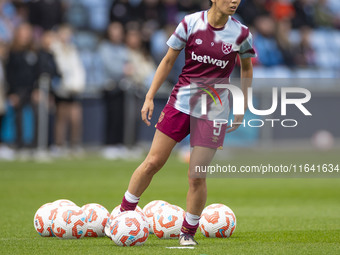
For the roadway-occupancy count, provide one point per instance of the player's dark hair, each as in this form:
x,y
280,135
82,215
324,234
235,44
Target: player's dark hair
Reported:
x,y
210,3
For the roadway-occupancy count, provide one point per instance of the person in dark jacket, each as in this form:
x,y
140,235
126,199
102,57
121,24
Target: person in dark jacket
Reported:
x,y
21,74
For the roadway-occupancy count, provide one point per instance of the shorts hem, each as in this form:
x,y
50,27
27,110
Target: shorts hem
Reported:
x,y
210,146
169,135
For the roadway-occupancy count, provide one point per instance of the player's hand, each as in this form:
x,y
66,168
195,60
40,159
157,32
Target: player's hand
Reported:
x,y
147,111
237,119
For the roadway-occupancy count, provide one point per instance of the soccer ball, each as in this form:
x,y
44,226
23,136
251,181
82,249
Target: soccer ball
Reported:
x,y
217,220
43,219
115,212
323,140
107,226
129,228
150,209
167,221
69,223
96,218
64,202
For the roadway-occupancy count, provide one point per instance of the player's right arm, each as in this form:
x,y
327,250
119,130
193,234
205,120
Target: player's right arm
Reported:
x,y
161,74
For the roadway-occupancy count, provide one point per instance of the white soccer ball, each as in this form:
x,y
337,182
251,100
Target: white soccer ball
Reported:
x,y
323,140
167,221
217,220
115,212
43,219
96,218
129,228
69,223
150,209
64,202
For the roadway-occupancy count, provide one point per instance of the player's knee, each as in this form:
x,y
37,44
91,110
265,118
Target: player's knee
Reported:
x,y
152,165
197,183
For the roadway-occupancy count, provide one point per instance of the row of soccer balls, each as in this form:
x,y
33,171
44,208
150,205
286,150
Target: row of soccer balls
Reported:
x,y
65,220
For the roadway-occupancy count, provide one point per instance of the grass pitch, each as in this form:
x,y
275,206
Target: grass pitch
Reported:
x,y
274,216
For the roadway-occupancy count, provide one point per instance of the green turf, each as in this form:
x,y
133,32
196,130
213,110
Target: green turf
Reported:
x,y
274,216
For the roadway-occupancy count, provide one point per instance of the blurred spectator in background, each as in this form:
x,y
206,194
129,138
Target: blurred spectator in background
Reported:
x,y
172,12
267,48
281,9
87,14
6,26
87,44
22,74
2,105
123,12
159,48
304,13
251,10
141,69
21,13
2,92
204,5
5,152
77,14
190,6
153,15
114,56
72,84
141,64
323,14
45,14
154,11
334,6
304,55
283,31
11,15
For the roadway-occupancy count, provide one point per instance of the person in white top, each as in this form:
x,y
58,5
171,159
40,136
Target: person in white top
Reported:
x,y
68,90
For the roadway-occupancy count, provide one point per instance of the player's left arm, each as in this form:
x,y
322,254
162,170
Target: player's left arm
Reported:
x,y
246,81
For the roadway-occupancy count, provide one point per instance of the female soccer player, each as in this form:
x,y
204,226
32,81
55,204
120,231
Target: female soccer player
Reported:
x,y
212,39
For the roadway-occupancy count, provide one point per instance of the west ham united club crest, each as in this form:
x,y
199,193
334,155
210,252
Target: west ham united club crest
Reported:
x,y
227,48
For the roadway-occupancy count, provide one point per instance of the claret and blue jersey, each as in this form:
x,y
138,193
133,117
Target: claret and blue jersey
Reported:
x,y
210,53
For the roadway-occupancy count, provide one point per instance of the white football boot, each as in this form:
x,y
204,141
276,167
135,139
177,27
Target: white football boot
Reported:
x,y
187,240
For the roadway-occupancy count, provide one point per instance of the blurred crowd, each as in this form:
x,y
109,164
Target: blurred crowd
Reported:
x,y
106,47
273,22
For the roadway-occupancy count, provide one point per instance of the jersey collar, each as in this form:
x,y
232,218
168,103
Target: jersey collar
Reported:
x,y
205,17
